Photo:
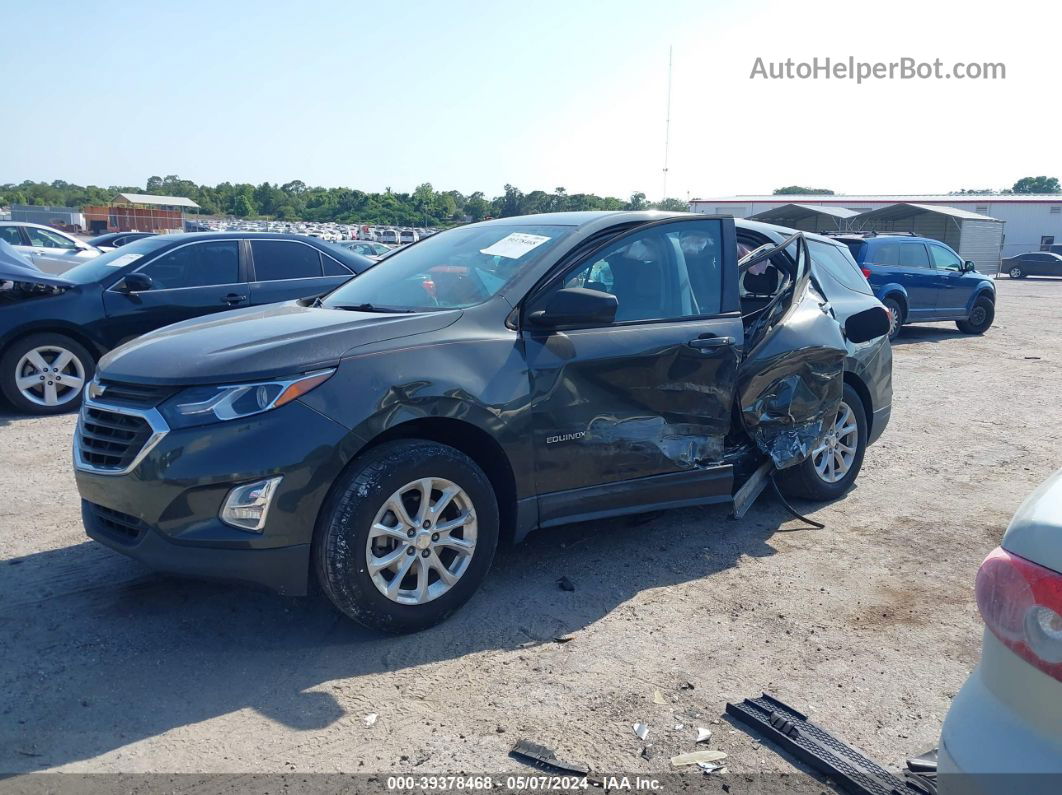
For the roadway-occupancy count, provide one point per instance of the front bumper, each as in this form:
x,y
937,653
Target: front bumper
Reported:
x,y
164,511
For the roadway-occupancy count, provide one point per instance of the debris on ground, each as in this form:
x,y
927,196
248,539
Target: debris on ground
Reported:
x,y
566,584
563,638
813,745
687,685
710,767
641,730
697,757
703,735
658,697
370,719
540,755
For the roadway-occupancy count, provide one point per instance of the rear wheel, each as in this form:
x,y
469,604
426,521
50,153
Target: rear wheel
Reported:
x,y
981,317
834,465
1016,273
895,316
407,535
45,373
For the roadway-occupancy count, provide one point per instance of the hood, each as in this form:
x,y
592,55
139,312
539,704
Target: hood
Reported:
x,y
1035,532
259,342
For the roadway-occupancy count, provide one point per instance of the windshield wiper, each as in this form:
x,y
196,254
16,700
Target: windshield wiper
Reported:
x,y
373,308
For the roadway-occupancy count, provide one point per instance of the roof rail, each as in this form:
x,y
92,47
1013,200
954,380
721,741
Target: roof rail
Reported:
x,y
866,233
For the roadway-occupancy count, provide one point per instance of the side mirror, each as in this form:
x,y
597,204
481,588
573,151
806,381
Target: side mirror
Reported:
x,y
867,325
136,283
576,306
968,266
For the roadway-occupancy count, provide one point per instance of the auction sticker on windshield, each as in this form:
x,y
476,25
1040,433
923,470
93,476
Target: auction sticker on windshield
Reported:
x,y
515,245
125,259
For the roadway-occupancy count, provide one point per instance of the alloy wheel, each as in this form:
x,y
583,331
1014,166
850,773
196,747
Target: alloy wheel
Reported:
x,y
834,458
49,375
1015,273
421,541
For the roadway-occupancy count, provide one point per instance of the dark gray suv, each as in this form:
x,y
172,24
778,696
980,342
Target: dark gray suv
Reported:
x,y
486,381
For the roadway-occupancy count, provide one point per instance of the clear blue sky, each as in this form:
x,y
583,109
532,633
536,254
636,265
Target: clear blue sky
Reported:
x,y
471,95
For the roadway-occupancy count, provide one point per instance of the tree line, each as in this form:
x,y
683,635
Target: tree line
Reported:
x,y
297,201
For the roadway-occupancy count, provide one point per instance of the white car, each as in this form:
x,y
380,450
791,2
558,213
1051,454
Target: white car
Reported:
x,y
1007,719
49,249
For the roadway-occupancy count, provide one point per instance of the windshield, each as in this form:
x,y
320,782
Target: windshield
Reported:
x,y
451,270
106,264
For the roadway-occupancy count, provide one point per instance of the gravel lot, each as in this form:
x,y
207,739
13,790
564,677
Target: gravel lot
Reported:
x,y
868,625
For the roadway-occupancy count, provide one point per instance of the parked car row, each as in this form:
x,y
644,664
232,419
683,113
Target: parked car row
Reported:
x,y
54,329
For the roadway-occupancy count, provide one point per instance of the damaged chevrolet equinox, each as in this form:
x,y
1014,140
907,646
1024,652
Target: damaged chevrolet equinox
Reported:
x,y
486,381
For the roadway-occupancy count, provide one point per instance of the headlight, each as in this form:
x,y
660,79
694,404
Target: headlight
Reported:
x,y
202,404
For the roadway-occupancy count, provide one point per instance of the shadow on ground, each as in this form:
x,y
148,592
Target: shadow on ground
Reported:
x,y
102,653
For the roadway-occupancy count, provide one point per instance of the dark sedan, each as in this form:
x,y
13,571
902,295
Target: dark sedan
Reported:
x,y
113,240
53,329
1034,263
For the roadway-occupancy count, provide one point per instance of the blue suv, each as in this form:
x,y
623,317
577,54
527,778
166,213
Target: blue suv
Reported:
x,y
921,280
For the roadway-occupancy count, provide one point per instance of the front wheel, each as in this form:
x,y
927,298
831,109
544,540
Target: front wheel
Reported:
x,y
981,317
407,535
45,373
833,466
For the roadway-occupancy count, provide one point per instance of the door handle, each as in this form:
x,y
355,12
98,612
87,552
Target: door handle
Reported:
x,y
710,343
233,298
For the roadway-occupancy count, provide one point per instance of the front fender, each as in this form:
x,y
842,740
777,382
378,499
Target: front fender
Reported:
x,y
984,287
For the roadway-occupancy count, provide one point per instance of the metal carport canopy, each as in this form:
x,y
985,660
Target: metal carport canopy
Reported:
x,y
975,237
807,217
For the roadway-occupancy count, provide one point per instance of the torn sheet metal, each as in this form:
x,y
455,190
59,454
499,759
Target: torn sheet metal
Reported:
x,y
790,384
687,445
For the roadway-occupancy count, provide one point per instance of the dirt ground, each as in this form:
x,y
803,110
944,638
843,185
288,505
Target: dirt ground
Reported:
x,y
869,625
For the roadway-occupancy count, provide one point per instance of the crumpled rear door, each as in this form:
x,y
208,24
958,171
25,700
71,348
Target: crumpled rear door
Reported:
x,y
790,382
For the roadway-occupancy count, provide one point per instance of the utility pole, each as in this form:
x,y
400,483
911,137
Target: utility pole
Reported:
x,y
667,123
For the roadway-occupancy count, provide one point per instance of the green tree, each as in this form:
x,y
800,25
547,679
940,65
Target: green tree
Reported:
x,y
637,202
672,205
242,206
790,190
1037,185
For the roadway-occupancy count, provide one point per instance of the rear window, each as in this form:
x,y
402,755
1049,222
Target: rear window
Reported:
x,y
275,260
883,252
837,262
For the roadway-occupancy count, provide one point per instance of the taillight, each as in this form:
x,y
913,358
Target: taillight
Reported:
x,y
866,272
1021,603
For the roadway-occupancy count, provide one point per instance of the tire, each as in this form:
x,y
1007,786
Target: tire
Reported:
x,y
806,481
1016,273
897,315
34,357
981,317
357,508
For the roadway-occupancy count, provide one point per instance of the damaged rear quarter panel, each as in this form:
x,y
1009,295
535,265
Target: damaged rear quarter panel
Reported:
x,y
790,384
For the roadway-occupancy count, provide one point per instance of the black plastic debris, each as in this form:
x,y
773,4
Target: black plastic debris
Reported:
x,y
566,584
815,746
541,756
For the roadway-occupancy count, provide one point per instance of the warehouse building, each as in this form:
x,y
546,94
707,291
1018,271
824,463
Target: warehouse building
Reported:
x,y
139,212
1031,222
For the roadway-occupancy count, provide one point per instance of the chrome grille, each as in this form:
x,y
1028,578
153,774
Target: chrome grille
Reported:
x,y
112,440
126,394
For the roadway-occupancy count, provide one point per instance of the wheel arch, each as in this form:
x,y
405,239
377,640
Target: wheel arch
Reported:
x,y
474,442
860,387
74,333
898,294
